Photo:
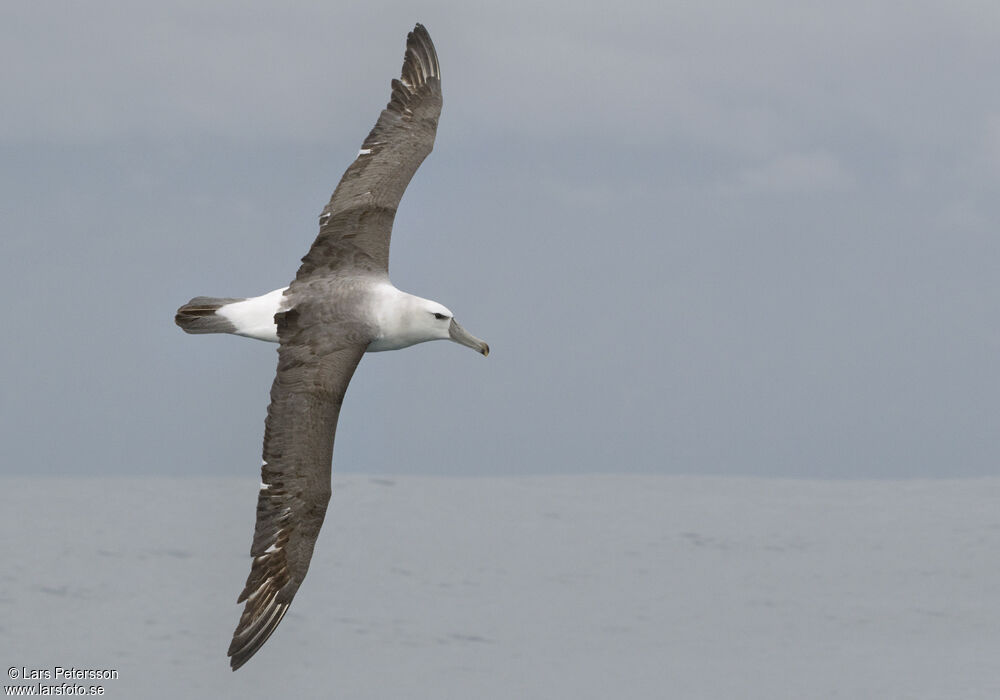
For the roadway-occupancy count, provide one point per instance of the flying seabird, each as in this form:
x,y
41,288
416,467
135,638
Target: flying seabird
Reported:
x,y
340,306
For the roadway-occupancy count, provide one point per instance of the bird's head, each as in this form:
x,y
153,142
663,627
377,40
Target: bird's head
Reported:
x,y
439,323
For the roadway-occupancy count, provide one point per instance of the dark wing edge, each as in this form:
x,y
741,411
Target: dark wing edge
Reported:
x,y
419,79
356,224
306,397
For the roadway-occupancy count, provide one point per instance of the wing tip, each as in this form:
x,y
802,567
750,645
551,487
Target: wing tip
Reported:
x,y
419,83
250,635
421,52
419,32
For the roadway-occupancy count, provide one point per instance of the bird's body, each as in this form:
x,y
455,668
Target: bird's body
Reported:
x,y
340,306
391,314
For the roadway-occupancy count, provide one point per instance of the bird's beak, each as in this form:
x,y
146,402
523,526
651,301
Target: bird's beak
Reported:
x,y
463,337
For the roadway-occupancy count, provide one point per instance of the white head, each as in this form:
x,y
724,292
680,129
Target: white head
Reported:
x,y
438,323
406,320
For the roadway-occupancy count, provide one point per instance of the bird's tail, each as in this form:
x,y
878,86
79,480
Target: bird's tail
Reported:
x,y
198,316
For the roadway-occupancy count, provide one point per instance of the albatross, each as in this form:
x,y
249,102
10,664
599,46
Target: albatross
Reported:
x,y
340,306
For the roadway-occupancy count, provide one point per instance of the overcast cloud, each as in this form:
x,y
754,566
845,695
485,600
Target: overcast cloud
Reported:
x,y
698,238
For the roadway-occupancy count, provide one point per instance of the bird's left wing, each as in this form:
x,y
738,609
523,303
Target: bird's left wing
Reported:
x,y
356,225
295,477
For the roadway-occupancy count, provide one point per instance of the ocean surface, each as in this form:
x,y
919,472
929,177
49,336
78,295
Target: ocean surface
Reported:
x,y
523,587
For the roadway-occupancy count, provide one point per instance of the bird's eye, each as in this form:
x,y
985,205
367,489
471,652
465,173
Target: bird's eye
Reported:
x,y
440,317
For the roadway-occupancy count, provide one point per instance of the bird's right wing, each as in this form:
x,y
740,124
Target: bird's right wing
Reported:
x,y
295,477
356,225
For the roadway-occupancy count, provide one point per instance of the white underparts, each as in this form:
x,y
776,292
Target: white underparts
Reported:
x,y
254,317
364,152
401,319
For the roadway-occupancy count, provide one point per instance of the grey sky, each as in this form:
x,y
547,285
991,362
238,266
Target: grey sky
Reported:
x,y
698,238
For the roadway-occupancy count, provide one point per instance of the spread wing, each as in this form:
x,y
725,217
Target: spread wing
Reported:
x,y
356,225
295,477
